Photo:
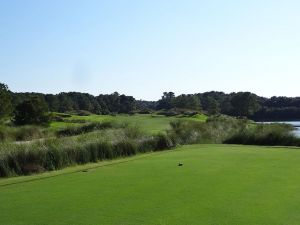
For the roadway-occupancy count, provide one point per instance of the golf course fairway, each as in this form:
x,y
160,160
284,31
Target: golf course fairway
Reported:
x,y
217,185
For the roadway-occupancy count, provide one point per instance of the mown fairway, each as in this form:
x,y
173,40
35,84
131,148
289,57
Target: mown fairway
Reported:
x,y
218,184
147,122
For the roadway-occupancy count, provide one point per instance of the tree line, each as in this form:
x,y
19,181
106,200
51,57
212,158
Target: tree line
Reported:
x,y
29,108
65,102
240,104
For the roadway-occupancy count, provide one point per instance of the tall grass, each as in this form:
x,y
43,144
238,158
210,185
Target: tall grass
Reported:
x,y
222,129
70,131
22,133
101,141
265,134
57,153
215,130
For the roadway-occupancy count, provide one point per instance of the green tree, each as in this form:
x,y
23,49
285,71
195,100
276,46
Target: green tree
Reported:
x,y
244,104
213,107
187,102
166,102
31,111
5,101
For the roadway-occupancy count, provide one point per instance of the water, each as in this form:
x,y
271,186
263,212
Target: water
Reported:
x,y
295,124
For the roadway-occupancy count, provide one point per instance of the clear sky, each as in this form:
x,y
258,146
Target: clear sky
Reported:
x,y
145,47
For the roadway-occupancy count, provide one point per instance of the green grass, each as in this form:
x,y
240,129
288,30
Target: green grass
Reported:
x,y
147,122
218,184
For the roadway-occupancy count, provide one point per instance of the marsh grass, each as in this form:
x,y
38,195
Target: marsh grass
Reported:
x,y
223,129
22,133
89,127
265,134
215,130
106,140
57,153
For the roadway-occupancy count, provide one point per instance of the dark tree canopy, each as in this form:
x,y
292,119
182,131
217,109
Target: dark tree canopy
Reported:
x,y
169,101
70,101
31,111
5,101
213,102
244,104
213,106
166,101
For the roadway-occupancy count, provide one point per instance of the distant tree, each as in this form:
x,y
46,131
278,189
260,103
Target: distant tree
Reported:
x,y
53,102
127,104
225,106
187,102
166,102
65,103
146,105
213,107
244,104
5,101
31,111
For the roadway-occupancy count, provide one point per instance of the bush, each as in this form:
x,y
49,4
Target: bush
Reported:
x,y
145,111
27,133
265,134
132,131
169,113
125,148
163,141
216,130
31,111
70,131
21,133
79,113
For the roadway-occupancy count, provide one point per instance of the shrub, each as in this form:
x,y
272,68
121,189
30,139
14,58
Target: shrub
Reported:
x,y
132,131
215,130
27,133
265,134
125,148
70,131
22,133
163,141
31,111
169,113
145,111
79,112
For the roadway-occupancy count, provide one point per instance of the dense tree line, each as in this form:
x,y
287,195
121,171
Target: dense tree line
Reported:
x,y
66,102
5,101
33,108
240,104
235,104
169,101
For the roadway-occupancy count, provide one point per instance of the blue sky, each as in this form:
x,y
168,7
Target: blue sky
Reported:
x,y
143,48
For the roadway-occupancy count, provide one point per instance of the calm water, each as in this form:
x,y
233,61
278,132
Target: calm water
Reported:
x,y
296,124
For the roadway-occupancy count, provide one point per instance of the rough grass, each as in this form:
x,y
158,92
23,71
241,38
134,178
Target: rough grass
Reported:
x,y
218,184
148,123
57,153
22,133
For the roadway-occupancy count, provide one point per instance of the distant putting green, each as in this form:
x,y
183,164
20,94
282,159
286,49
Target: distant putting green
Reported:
x,y
217,184
147,122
